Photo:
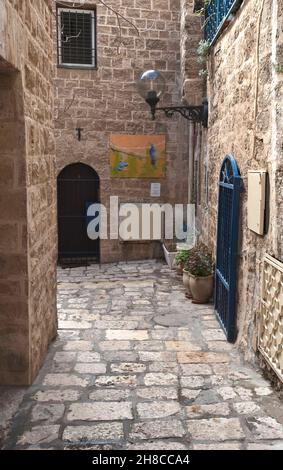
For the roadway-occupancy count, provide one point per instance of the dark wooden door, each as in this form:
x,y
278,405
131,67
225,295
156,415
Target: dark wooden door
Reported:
x,y
78,187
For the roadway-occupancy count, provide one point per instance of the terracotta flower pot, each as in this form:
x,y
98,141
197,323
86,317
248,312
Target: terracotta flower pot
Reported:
x,y
186,282
201,288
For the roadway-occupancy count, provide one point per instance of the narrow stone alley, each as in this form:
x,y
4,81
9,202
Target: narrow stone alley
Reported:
x,y
137,366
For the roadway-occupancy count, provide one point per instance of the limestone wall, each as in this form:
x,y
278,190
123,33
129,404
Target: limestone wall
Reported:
x,y
193,87
28,241
106,102
253,134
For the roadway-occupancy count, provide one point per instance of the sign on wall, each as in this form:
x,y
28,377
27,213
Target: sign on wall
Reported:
x,y
137,156
155,189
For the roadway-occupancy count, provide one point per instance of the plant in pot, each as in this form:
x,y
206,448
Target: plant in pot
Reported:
x,y
181,259
199,268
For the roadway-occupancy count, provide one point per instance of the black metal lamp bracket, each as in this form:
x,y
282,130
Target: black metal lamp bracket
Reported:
x,y
191,113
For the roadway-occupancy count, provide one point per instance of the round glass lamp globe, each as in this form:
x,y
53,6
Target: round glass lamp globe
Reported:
x,y
151,82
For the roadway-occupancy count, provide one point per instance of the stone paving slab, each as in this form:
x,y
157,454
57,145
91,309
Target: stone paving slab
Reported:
x,y
137,366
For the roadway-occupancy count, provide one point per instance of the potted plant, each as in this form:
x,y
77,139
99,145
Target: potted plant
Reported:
x,y
199,267
181,259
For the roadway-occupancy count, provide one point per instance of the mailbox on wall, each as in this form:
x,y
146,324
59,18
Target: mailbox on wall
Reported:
x,y
256,200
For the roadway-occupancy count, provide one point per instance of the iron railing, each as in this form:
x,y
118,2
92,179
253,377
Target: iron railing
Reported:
x,y
217,13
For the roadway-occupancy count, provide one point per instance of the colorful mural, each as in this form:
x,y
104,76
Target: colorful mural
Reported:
x,y
137,156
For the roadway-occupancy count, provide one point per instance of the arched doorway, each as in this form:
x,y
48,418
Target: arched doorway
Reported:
x,y
78,188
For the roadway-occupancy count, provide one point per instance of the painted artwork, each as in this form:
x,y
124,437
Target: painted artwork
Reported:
x,y
137,156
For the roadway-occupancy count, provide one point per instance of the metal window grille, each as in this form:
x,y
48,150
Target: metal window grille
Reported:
x,y
217,13
76,38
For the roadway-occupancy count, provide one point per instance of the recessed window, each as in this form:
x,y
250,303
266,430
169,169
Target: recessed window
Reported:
x,y
76,38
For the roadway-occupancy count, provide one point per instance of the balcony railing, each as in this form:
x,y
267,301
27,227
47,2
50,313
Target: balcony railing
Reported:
x,y
217,14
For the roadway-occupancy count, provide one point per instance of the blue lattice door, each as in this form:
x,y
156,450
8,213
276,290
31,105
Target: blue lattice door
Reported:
x,y
230,184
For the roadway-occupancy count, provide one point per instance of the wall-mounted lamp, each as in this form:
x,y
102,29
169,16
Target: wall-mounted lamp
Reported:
x,y
151,86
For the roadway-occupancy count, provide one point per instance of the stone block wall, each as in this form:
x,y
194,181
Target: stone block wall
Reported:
x,y
193,87
105,102
239,78
193,90
28,240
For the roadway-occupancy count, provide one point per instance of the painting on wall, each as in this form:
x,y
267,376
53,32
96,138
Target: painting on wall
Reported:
x,y
137,156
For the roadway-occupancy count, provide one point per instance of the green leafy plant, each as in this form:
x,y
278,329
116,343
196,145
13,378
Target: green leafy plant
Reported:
x,y
199,262
278,68
202,5
203,48
203,73
203,51
182,257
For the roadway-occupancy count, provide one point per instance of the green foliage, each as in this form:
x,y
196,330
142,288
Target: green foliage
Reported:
x,y
182,257
203,48
201,11
203,51
203,73
199,262
278,68
201,59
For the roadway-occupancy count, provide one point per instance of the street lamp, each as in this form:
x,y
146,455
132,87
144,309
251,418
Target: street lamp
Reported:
x,y
151,85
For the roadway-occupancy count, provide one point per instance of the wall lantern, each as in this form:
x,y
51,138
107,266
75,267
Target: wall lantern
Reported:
x,y
151,86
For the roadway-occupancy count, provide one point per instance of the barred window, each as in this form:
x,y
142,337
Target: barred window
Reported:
x,y
76,38
218,14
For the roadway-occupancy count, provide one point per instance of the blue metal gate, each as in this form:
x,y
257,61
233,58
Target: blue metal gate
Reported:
x,y
230,184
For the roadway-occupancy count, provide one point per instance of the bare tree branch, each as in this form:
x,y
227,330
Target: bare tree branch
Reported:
x,y
64,111
118,15
68,38
120,41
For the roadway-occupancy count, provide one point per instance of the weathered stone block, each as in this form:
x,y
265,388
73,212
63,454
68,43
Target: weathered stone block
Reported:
x,y
160,409
215,429
97,432
100,411
157,429
202,357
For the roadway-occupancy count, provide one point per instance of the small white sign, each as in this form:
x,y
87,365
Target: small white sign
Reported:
x,y
155,189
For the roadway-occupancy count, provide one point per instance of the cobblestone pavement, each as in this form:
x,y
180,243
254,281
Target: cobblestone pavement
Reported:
x,y
137,366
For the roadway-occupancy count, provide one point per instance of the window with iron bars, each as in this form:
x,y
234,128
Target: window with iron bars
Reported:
x,y
217,16
76,38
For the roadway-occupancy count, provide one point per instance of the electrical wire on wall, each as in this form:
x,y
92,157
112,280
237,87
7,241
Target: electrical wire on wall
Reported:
x,y
254,305
257,76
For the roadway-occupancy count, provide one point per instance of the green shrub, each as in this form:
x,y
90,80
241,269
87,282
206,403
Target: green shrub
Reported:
x,y
199,263
182,257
